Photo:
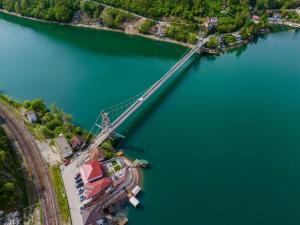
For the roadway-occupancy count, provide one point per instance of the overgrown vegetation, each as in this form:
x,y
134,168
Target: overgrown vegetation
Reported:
x,y
93,9
186,16
12,183
51,122
114,18
212,42
60,194
108,150
57,10
146,26
182,32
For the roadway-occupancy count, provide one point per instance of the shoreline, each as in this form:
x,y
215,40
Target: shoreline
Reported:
x,y
102,28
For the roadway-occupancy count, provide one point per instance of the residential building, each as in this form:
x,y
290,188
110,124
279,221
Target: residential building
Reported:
x,y
96,188
92,176
31,116
93,215
91,171
64,146
256,18
77,142
96,154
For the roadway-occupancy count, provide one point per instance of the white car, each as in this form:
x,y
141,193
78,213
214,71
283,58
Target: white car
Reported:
x,y
141,99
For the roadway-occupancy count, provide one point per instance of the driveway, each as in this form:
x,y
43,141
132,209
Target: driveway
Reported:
x,y
68,173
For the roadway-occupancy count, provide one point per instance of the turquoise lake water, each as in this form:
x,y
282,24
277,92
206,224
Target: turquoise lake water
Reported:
x,y
222,136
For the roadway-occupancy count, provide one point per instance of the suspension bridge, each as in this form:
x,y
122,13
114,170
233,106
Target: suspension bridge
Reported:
x,y
128,107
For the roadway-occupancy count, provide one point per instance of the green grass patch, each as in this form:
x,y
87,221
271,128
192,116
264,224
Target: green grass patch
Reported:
x,y
117,168
60,194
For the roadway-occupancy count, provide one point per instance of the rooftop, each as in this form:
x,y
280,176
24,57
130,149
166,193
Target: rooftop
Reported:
x,y
90,171
93,188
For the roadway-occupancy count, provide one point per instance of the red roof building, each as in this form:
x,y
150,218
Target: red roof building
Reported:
x,y
90,171
76,142
97,187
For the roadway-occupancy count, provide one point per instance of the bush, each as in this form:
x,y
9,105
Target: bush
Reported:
x,y
228,39
115,18
146,26
212,43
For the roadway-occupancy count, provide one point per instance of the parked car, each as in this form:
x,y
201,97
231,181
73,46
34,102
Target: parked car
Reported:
x,y
77,175
80,191
81,198
78,180
66,162
78,185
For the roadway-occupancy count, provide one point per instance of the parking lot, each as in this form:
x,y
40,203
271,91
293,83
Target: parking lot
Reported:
x,y
68,173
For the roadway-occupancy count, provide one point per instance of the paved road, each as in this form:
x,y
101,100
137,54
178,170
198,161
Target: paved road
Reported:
x,y
31,154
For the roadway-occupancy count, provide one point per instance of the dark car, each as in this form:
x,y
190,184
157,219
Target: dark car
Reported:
x,y
78,180
77,175
78,185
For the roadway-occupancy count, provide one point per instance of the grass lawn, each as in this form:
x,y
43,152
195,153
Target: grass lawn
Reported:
x,y
117,168
114,163
60,194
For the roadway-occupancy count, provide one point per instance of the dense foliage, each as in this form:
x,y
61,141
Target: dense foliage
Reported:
x,y
186,16
11,180
228,39
212,42
58,10
115,18
191,9
52,122
146,26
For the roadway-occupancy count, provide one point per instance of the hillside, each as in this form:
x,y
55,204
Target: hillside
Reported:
x,y
12,186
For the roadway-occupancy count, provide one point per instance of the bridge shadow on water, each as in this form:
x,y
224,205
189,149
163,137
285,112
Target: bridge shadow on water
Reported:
x,y
153,104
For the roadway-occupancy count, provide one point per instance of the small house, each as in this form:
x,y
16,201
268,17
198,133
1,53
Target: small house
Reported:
x,y
97,154
31,116
255,18
210,23
77,142
238,38
64,146
91,171
277,16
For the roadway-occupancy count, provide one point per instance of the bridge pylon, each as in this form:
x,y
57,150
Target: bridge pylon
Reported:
x,y
105,124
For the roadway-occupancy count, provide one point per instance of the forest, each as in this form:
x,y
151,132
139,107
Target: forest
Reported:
x,y
12,183
185,16
189,10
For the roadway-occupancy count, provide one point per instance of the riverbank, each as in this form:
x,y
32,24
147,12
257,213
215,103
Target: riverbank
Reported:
x,y
95,27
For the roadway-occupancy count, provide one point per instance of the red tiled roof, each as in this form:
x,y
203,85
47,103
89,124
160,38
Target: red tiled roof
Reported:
x,y
76,141
93,188
90,170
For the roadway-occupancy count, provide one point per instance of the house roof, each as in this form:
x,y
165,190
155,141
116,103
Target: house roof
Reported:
x,y
64,145
93,188
92,214
90,170
96,154
76,140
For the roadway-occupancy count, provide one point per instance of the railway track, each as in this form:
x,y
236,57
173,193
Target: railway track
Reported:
x,y
30,152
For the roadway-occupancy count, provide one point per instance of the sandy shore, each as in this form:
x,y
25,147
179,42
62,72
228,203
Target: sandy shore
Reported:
x,y
80,25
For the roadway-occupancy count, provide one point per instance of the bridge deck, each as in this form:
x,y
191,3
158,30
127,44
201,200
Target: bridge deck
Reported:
x,y
106,134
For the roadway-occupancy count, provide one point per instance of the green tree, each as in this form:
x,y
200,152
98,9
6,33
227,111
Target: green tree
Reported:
x,y
38,106
212,43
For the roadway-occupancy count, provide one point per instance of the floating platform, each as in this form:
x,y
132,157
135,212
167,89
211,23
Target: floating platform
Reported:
x,y
141,162
136,190
134,202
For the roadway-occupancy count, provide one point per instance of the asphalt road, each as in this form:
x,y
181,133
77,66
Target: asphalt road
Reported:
x,y
31,154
